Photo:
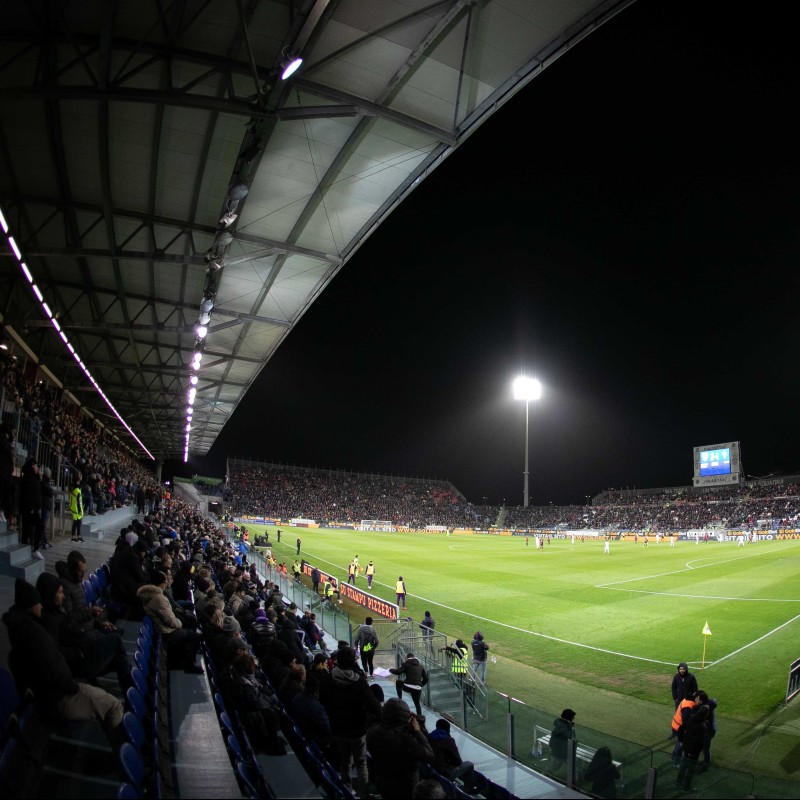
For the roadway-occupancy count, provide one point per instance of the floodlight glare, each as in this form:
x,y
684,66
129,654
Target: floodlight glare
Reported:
x,y
193,380
202,331
290,66
527,388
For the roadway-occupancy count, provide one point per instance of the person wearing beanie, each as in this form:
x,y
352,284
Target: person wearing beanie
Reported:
x,y
448,761
397,745
562,735
227,643
182,643
38,666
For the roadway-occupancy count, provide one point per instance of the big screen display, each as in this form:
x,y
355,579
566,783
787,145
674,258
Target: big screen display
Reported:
x,y
717,464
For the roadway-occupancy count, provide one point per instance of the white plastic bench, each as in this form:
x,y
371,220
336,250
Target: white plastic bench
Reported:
x,y
541,738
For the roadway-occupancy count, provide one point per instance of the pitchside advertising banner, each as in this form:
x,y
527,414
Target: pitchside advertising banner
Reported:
x,y
374,605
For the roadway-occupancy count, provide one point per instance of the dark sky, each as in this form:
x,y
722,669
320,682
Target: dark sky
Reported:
x,y
626,229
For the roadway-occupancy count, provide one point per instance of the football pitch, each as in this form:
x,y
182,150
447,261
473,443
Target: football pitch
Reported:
x,y
619,622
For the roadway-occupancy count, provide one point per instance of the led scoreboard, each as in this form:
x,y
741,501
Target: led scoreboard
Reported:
x,y
717,464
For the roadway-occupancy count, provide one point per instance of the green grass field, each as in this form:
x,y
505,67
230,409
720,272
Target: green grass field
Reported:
x,y
569,623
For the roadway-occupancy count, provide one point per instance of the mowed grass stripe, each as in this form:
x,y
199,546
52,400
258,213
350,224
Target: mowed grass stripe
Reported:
x,y
562,609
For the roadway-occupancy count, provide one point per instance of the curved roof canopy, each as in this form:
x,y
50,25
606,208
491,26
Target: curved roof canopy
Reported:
x,y
157,173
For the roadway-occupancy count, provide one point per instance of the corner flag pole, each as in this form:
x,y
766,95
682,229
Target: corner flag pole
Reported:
x,y
706,634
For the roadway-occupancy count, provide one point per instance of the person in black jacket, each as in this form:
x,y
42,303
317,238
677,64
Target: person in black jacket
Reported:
x,y
692,734
89,654
603,774
348,701
684,684
397,746
38,666
415,676
128,576
30,505
447,759
561,737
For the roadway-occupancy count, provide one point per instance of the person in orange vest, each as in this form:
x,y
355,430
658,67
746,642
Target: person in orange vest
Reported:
x,y
682,713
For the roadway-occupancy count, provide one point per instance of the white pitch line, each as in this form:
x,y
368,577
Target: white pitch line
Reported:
x,y
699,596
544,635
755,641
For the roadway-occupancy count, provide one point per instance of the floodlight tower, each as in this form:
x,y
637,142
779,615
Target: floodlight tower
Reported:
x,y
526,389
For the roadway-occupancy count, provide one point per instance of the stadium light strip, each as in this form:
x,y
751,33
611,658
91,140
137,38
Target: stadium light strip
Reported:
x,y
54,322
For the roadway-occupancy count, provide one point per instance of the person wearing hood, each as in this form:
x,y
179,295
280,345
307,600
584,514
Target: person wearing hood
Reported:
x,y
684,684
182,644
480,652
562,735
38,666
415,676
397,745
348,701
448,761
84,653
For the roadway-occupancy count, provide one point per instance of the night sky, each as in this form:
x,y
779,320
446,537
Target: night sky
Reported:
x,y
625,229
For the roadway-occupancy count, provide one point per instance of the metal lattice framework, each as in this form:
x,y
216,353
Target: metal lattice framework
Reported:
x,y
129,129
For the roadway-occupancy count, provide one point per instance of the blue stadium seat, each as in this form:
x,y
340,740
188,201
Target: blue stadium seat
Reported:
x,y
127,791
132,766
132,726
135,703
10,700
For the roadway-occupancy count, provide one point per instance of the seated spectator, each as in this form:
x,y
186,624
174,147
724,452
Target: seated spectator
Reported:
x,y
448,761
227,643
292,684
397,746
182,643
257,706
38,666
128,576
310,715
86,653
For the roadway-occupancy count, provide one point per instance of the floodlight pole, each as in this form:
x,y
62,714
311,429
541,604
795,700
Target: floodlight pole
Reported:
x,y
525,484
527,389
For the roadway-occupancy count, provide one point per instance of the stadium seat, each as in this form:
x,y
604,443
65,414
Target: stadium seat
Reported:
x,y
132,766
88,592
246,782
135,703
10,700
127,791
133,730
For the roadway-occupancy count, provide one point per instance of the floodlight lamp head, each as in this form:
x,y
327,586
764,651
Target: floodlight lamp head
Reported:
x,y
228,219
238,192
289,66
527,388
201,331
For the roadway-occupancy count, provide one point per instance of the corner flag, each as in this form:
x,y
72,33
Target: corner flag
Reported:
x,y
707,631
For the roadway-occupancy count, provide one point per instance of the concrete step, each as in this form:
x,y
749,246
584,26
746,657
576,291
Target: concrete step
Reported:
x,y
15,554
29,570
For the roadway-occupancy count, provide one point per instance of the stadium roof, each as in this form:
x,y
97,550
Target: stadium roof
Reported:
x,y
130,128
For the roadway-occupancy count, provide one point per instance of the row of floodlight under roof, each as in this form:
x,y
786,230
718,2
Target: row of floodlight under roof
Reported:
x,y
53,318
215,259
